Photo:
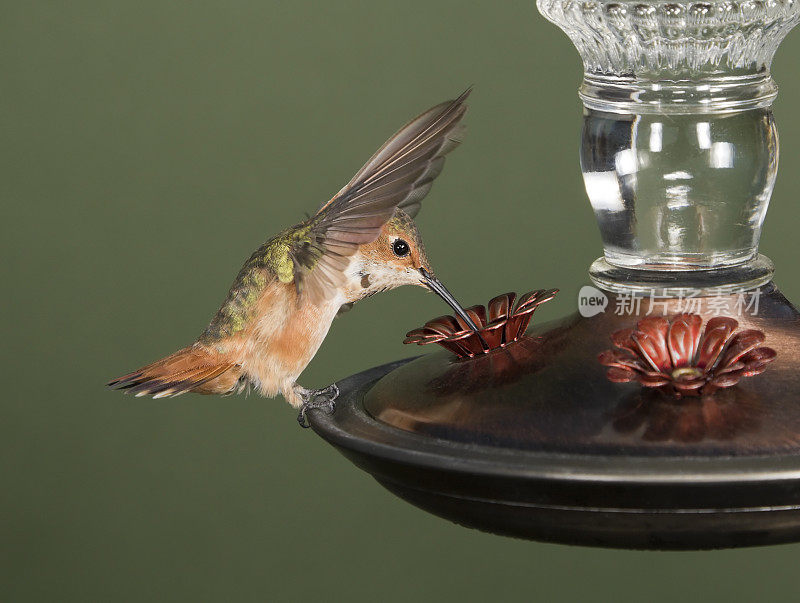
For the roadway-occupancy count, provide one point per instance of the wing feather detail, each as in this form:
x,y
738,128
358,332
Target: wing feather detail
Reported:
x,y
397,176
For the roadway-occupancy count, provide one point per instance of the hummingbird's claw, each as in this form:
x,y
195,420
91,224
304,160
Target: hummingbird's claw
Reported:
x,y
316,398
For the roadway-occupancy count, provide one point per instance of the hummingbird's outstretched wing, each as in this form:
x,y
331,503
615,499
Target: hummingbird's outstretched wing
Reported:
x,y
397,176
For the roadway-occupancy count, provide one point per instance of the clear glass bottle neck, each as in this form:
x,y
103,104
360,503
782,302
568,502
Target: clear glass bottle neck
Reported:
x,y
639,94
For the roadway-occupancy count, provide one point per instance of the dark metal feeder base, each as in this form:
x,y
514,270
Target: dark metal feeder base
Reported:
x,y
533,441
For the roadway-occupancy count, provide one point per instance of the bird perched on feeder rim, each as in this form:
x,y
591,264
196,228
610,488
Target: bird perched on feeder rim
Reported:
x,y
281,305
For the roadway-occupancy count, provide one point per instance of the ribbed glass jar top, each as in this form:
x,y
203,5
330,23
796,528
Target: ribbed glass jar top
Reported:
x,y
675,57
627,37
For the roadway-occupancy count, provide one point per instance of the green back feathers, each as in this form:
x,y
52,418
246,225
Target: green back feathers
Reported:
x,y
291,249
273,260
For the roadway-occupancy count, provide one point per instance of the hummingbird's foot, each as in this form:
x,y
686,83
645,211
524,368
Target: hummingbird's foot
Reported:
x,y
316,398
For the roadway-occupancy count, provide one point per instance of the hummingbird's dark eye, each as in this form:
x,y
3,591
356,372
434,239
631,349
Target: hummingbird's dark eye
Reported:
x,y
401,248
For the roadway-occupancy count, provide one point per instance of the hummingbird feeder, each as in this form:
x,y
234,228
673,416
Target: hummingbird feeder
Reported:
x,y
686,433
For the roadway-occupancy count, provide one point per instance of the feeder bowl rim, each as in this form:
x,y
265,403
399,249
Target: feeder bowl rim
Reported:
x,y
350,427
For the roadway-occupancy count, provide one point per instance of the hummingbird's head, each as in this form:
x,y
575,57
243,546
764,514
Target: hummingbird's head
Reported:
x,y
397,257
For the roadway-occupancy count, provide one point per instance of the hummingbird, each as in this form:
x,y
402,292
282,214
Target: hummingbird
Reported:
x,y
281,305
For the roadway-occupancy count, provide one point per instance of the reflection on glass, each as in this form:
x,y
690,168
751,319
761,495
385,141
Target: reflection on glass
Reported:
x,y
681,189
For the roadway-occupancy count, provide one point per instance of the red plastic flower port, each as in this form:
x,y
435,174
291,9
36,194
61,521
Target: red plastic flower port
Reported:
x,y
680,358
497,326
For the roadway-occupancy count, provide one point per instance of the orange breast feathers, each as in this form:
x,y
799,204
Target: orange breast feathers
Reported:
x,y
284,336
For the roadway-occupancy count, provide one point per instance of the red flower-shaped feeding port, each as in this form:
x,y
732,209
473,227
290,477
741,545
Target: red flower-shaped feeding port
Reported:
x,y
681,358
498,325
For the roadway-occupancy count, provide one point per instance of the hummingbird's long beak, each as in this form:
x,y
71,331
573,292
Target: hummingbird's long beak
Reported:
x,y
437,287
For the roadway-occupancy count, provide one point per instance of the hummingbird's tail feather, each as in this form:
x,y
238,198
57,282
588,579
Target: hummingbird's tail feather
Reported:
x,y
191,369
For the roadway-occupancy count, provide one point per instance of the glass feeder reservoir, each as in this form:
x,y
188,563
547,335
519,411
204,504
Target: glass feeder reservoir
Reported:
x,y
679,149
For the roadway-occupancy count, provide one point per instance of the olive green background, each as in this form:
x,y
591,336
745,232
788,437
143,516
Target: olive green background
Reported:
x,y
147,149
